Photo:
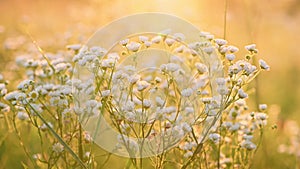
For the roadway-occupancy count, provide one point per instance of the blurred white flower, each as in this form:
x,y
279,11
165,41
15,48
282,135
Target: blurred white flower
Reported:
x,y
220,42
142,85
187,92
230,56
262,107
25,84
22,115
202,68
214,137
169,41
143,39
133,79
251,48
209,50
159,101
156,39
124,42
248,145
242,94
57,147
147,103
105,93
133,46
44,127
233,49
264,65
188,154
179,36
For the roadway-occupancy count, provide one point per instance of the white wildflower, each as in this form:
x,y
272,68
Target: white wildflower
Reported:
x,y
179,36
227,124
142,85
25,84
143,39
176,58
11,96
249,69
108,63
207,100
222,90
247,137
242,94
233,49
177,132
188,154
61,67
214,137
134,78
261,116
186,127
169,110
31,63
234,127
22,115
98,51
223,49
137,101
57,147
262,107
169,41
159,101
147,103
235,69
248,145
230,56
44,126
74,47
207,35
172,67
241,102
124,42
36,108
209,50
220,42
130,116
187,92
2,86
179,49
148,44
157,79
92,107
156,39
129,106
87,155
114,56
221,81
251,48
264,65
133,46
105,93
202,68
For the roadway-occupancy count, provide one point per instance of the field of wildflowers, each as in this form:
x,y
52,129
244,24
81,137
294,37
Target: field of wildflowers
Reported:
x,y
144,93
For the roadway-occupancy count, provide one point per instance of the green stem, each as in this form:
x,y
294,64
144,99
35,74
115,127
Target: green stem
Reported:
x,y
58,138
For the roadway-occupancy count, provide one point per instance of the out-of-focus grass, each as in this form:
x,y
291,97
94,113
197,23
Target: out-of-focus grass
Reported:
x,y
273,26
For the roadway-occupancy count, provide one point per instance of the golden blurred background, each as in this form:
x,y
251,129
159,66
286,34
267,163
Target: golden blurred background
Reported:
x,y
274,25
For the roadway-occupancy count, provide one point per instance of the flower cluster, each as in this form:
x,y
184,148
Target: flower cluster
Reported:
x,y
196,97
190,99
